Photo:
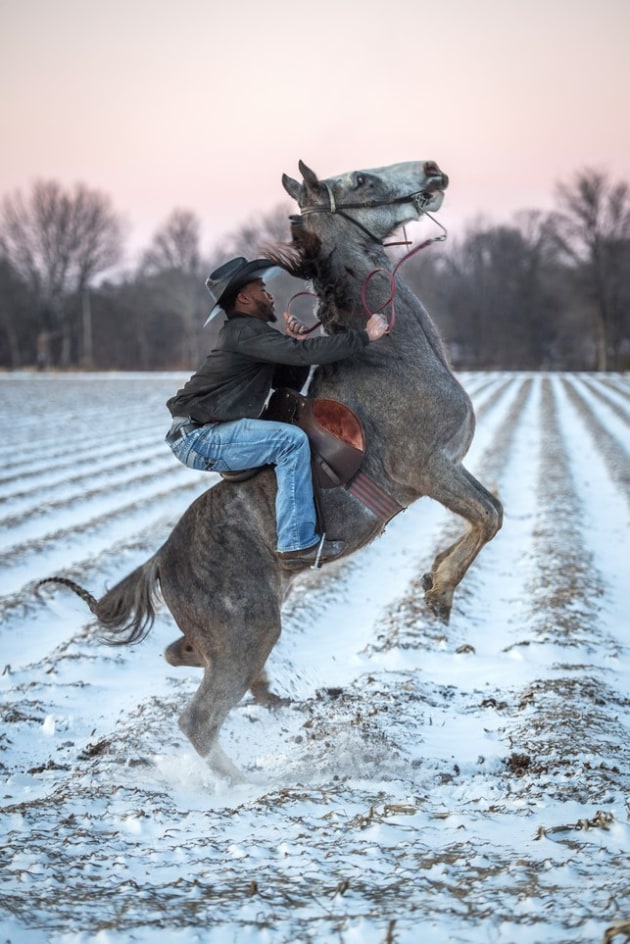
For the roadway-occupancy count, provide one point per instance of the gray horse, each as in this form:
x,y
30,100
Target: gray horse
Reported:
x,y
218,572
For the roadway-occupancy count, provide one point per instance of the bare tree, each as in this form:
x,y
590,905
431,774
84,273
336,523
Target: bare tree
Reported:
x,y
175,245
249,238
18,332
171,268
59,242
492,293
592,229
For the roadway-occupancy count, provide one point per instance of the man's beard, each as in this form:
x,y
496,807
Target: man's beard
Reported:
x,y
265,311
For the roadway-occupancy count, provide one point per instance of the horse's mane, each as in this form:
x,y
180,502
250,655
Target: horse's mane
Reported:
x,y
303,259
299,257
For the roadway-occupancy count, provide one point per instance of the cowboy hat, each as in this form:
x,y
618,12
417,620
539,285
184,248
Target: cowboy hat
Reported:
x,y
230,277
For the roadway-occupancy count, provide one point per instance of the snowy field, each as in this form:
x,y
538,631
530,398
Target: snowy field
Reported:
x,y
424,784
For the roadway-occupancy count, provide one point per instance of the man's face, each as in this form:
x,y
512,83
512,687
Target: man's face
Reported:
x,y
260,302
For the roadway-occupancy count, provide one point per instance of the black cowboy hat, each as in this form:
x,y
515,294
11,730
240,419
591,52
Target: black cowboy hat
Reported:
x,y
232,275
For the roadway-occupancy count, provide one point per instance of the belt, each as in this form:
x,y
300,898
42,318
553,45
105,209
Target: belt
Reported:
x,y
182,426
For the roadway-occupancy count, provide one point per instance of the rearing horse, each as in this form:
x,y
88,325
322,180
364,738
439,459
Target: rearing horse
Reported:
x,y
218,572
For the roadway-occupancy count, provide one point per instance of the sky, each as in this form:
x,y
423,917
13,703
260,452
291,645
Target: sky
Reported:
x,y
165,104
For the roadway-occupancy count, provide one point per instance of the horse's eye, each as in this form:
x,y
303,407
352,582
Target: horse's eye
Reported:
x,y
360,180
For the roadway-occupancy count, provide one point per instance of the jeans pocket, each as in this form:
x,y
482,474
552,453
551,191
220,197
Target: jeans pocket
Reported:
x,y
182,450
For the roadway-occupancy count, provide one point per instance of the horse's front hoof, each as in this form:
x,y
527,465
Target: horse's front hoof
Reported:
x,y
439,603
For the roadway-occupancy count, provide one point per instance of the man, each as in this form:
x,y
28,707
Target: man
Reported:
x,y
216,415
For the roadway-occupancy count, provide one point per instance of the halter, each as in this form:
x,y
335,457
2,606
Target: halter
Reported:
x,y
419,198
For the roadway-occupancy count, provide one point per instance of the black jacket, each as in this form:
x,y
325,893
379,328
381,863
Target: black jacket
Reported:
x,y
250,359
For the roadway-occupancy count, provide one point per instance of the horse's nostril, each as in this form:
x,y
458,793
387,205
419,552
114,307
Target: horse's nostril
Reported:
x,y
431,169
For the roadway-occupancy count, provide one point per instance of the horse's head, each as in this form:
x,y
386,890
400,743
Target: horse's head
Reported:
x,y
377,200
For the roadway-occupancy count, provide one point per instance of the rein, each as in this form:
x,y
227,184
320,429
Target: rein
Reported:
x,y
391,275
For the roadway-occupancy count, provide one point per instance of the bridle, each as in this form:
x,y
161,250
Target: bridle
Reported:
x,y
419,199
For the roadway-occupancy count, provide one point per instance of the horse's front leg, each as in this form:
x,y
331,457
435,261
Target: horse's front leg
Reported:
x,y
459,491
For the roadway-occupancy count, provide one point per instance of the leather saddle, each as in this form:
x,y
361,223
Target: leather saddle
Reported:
x,y
335,433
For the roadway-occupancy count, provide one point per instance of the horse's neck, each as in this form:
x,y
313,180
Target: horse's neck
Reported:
x,y
355,273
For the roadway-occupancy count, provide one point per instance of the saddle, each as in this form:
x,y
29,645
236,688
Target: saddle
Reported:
x,y
335,433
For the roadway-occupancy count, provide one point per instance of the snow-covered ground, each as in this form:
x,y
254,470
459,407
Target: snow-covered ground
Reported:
x,y
425,783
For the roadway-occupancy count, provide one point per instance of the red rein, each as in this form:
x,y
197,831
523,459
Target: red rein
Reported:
x,y
391,299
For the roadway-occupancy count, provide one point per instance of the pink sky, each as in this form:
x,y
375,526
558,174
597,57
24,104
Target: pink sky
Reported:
x,y
201,105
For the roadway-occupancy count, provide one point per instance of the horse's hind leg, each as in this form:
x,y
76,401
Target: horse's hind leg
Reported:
x,y
455,488
182,652
230,674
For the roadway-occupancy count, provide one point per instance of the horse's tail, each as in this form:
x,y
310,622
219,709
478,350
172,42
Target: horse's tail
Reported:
x,y
127,611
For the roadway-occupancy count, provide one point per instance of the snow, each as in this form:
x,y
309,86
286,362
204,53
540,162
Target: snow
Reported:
x,y
465,783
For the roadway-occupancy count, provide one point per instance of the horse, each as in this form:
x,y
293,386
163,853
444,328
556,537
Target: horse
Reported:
x,y
218,572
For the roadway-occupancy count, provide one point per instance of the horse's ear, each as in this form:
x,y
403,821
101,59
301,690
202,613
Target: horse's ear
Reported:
x,y
310,177
291,186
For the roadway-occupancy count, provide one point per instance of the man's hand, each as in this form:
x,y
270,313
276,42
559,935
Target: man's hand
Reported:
x,y
376,327
294,328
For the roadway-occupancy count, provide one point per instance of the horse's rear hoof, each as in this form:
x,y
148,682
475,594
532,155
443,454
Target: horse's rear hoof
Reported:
x,y
221,765
264,696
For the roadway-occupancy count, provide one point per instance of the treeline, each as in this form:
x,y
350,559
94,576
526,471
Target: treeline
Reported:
x,y
545,291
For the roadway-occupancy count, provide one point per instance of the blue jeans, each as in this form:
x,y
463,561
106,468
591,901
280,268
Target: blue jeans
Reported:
x,y
244,444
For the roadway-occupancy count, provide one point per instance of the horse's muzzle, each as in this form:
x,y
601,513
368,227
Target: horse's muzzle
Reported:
x,y
436,178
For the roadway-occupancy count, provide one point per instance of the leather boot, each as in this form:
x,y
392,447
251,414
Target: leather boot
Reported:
x,y
309,555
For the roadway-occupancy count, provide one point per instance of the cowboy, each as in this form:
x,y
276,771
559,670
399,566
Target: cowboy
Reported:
x,y
217,423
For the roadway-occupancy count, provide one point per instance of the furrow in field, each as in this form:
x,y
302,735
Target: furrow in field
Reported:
x,y
70,406
610,443
368,806
540,566
86,445
411,625
616,384
56,615
600,392
487,398
571,717
74,418
448,828
62,549
477,384
76,466
493,461
76,503
566,590
605,513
